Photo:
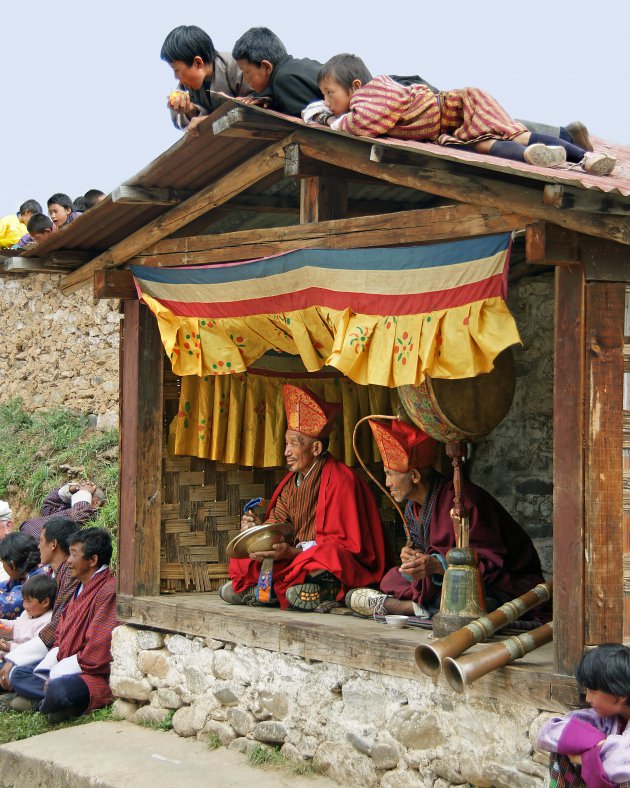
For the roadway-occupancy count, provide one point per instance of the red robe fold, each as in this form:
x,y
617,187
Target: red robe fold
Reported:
x,y
348,532
85,629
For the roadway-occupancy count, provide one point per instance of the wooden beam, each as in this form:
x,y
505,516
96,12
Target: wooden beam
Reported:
x,y
110,283
296,165
476,185
405,227
145,195
568,469
322,198
572,199
140,475
239,123
218,193
603,538
29,265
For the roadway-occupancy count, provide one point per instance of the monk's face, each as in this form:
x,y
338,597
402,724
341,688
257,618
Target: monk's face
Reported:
x,y
300,451
399,484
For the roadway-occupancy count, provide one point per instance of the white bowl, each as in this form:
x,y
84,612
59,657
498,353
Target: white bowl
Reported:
x,y
397,622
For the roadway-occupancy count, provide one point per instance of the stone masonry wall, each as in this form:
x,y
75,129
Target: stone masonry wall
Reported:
x,y
358,727
58,349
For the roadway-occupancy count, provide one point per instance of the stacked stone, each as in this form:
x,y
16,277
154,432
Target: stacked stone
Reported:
x,y
59,349
357,727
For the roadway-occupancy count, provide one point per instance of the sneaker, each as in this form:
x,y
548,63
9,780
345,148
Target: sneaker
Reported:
x,y
579,135
545,155
366,602
305,596
598,163
20,703
229,595
62,715
329,585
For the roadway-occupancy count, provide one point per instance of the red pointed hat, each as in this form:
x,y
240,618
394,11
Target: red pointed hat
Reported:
x,y
307,413
403,446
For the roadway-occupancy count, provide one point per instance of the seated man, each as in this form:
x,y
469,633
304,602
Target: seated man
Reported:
x,y
338,539
74,676
508,560
80,501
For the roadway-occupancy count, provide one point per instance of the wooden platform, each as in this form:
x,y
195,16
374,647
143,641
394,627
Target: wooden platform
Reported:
x,y
344,640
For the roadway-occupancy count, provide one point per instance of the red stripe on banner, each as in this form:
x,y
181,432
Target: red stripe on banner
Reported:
x,y
360,303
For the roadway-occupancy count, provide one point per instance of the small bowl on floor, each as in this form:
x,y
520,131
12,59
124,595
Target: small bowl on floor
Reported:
x,y
396,622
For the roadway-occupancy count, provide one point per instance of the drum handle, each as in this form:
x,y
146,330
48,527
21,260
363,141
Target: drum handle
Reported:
x,y
374,479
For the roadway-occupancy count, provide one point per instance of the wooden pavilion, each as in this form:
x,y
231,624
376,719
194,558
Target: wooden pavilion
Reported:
x,y
254,184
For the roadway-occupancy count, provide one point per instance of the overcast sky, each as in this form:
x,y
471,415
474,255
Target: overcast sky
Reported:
x,y
84,89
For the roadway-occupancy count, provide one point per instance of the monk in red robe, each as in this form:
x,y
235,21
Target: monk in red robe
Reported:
x,y
508,560
338,537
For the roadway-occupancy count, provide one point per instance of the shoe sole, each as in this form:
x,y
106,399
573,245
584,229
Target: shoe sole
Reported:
x,y
543,156
579,135
603,167
304,597
359,608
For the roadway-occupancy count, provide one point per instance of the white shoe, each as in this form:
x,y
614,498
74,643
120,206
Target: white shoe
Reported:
x,y
540,155
598,163
367,602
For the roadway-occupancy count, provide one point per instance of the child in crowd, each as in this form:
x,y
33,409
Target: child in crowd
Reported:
x,y
79,204
13,226
281,82
92,197
61,210
597,740
39,228
465,117
38,598
201,71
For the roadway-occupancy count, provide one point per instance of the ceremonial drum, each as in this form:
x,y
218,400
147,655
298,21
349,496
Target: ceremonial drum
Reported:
x,y
465,409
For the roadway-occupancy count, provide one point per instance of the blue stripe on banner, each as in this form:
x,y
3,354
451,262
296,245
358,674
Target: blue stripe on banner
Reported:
x,y
407,258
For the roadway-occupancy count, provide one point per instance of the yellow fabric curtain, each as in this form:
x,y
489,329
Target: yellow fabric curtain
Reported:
x,y
240,418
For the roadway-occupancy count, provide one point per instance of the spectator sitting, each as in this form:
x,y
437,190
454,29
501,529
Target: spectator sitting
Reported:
x,y
39,227
38,598
92,197
6,526
54,548
281,82
202,72
13,226
61,210
80,501
73,678
20,557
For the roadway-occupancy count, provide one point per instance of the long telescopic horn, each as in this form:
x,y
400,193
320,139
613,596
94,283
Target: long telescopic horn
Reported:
x,y
429,656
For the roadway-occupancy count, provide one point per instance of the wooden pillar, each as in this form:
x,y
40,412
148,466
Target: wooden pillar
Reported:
x,y
323,197
568,468
140,475
603,485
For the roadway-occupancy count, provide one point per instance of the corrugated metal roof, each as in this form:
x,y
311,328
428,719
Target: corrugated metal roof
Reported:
x,y
194,162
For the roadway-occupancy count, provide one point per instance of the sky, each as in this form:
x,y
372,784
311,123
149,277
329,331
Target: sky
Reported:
x,y
84,90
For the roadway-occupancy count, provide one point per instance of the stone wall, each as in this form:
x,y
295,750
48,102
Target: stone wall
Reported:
x,y
58,349
357,727
515,461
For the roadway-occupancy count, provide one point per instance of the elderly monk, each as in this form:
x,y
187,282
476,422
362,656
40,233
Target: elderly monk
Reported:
x,y
338,538
508,561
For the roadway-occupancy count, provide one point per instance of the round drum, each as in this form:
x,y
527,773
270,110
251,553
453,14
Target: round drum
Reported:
x,y
465,409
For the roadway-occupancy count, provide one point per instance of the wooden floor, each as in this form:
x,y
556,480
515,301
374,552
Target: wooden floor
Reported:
x,y
344,640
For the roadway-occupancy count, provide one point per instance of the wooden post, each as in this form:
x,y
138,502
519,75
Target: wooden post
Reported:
x,y
322,198
140,453
603,542
568,469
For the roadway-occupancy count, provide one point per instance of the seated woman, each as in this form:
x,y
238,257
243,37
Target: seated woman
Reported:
x,y
19,555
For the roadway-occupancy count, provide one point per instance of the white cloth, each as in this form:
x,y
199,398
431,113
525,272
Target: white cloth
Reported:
x,y
25,628
27,653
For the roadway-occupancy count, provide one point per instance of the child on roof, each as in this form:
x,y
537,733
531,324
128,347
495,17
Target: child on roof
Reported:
x,y
595,740
39,228
284,83
356,103
13,226
201,71
61,210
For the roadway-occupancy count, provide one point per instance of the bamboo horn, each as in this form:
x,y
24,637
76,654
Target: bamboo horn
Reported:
x,y
429,656
463,671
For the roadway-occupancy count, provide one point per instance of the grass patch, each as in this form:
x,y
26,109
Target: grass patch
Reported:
x,y
271,756
17,725
214,742
165,725
33,446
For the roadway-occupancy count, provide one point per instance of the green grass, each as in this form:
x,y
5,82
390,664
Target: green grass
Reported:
x,y
16,725
34,445
264,756
214,742
165,725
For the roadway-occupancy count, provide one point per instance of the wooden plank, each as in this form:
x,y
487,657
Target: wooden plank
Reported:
x,y
238,123
568,469
217,193
140,452
475,185
322,198
146,195
296,165
341,640
570,198
110,283
29,265
392,229
603,577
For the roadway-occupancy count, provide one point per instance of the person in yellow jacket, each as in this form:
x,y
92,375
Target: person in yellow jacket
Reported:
x,y
13,226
